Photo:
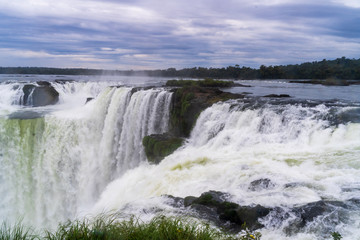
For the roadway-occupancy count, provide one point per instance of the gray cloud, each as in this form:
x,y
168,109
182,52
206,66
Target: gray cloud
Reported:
x,y
160,34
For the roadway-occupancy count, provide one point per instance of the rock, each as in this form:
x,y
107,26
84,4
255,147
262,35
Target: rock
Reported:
x,y
39,95
89,99
189,102
189,200
277,96
174,201
309,212
64,81
213,202
240,85
43,83
158,146
260,184
326,82
251,214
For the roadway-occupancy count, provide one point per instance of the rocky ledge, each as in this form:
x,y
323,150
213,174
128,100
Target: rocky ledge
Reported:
x,y
158,146
39,94
329,82
213,206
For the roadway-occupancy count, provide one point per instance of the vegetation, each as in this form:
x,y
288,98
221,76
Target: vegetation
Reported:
x,y
16,232
108,228
340,68
158,146
336,236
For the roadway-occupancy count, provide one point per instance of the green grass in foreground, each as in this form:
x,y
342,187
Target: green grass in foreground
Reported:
x,y
107,228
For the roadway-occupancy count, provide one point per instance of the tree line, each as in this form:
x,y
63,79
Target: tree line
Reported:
x,y
341,68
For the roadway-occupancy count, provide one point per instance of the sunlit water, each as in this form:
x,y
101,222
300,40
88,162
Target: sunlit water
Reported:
x,y
74,159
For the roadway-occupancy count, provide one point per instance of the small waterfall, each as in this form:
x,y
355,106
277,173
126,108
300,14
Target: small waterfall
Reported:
x,y
55,167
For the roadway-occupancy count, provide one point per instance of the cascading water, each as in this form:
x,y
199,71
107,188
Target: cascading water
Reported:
x,y
72,159
296,148
55,167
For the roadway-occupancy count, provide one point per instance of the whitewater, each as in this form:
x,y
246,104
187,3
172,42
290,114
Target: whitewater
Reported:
x,y
84,155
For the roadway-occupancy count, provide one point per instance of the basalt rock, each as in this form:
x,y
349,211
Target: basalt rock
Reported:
x,y
41,94
307,213
158,146
327,82
189,102
260,184
277,96
213,206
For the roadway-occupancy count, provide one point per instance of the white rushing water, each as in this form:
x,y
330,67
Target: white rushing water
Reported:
x,y
305,158
77,159
55,167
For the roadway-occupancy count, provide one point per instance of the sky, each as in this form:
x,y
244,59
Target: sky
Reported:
x,y
159,34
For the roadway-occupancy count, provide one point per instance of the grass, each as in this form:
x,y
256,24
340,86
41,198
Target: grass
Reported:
x,y
109,228
16,232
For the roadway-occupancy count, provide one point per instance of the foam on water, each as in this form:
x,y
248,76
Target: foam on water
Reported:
x,y
305,157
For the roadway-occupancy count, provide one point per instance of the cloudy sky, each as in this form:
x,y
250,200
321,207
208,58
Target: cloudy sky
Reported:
x,y
152,34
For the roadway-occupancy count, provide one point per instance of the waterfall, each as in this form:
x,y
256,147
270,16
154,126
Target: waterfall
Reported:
x,y
297,148
55,167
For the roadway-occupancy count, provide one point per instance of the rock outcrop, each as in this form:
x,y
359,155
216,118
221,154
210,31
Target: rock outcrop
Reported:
x,y
214,207
158,146
40,94
188,102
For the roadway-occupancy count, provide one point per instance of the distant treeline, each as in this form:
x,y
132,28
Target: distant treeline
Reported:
x,y
341,68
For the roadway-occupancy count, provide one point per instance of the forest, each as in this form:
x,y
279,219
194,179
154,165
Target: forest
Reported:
x,y
340,68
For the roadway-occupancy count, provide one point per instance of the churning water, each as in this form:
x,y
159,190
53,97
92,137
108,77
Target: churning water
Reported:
x,y
74,159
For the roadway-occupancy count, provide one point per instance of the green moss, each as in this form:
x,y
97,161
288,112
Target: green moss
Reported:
x,y
158,146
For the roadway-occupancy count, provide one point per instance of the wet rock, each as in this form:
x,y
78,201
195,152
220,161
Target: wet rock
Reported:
x,y
64,81
158,146
43,83
174,201
326,82
189,200
260,184
89,99
251,214
277,96
188,102
38,95
309,212
226,213
136,89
